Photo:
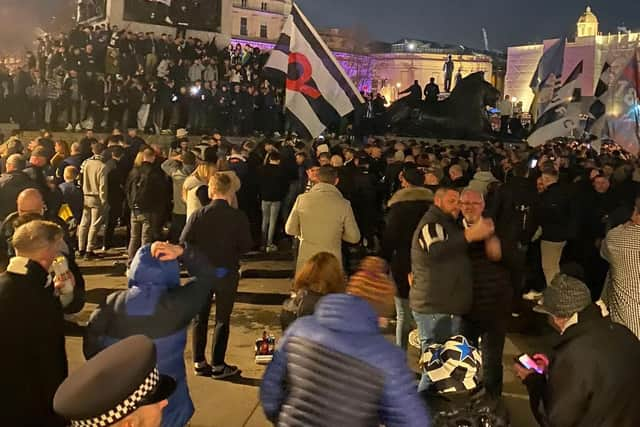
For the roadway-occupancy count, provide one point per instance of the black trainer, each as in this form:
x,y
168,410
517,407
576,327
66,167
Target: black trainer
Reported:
x,y
226,372
203,371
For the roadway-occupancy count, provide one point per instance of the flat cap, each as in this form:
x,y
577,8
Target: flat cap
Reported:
x,y
564,297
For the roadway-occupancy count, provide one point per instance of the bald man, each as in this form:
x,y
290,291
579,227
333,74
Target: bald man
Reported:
x,y
30,201
11,184
30,207
486,322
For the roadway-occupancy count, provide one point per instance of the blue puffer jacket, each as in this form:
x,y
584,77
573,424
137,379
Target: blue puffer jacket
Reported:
x,y
336,368
157,306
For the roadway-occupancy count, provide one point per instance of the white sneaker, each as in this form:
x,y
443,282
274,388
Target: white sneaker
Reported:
x,y
271,248
69,127
168,20
532,296
78,127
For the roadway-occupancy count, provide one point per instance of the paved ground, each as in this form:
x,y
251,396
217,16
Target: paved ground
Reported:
x,y
236,403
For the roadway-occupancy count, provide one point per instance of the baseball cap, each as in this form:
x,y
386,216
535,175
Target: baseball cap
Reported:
x,y
564,297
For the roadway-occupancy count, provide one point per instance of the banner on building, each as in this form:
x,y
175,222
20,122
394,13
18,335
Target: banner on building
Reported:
x,y
318,91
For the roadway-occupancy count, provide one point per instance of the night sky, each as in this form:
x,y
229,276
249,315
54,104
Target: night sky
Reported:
x,y
508,22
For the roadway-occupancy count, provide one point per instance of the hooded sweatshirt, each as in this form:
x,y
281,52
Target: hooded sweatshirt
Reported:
x,y
157,306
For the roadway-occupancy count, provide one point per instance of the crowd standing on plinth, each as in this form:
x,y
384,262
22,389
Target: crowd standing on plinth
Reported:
x,y
448,244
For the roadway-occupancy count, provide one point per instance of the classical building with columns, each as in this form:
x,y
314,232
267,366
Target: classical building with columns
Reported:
x,y
589,45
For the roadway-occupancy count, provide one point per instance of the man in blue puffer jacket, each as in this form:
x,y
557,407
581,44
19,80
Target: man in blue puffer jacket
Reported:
x,y
335,368
157,306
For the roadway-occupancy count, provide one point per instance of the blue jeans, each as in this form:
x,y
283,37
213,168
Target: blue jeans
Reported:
x,y
435,329
270,211
404,322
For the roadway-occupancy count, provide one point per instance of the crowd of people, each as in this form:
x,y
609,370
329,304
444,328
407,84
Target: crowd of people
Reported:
x,y
451,240
101,77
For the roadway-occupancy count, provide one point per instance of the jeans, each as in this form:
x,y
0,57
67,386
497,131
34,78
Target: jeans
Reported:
x,y
115,213
435,329
492,347
225,290
140,232
93,218
270,211
551,253
404,322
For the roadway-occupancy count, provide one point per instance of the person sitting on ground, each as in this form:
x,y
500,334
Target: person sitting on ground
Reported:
x,y
167,308
588,380
321,275
336,368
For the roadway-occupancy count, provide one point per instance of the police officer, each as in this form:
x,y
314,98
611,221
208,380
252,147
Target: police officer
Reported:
x,y
119,387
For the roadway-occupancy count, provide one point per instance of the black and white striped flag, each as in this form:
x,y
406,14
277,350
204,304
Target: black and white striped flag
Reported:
x,y
598,109
318,92
558,120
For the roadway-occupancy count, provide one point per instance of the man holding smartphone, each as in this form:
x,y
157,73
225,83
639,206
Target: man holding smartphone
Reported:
x,y
591,377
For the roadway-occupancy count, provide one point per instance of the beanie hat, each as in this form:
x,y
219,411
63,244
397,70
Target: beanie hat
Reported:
x,y
372,283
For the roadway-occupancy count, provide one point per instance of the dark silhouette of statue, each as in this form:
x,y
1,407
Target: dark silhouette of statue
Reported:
x,y
431,91
448,68
461,116
415,93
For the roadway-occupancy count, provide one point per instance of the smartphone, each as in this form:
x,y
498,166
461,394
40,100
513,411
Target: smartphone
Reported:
x,y
533,164
528,362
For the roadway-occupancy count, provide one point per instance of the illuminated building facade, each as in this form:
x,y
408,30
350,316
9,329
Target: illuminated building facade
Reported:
x,y
410,60
259,20
589,45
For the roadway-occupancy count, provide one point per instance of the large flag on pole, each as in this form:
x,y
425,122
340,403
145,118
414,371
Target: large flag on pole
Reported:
x,y
623,118
318,92
560,118
598,109
547,78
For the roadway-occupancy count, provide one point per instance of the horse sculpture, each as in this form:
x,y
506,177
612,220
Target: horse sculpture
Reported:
x,y
461,116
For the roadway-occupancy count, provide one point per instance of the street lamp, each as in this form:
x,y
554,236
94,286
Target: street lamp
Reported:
x,y
411,46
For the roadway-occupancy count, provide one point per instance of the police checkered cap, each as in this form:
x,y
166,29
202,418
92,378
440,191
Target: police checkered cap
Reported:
x,y
129,405
113,384
453,366
564,297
